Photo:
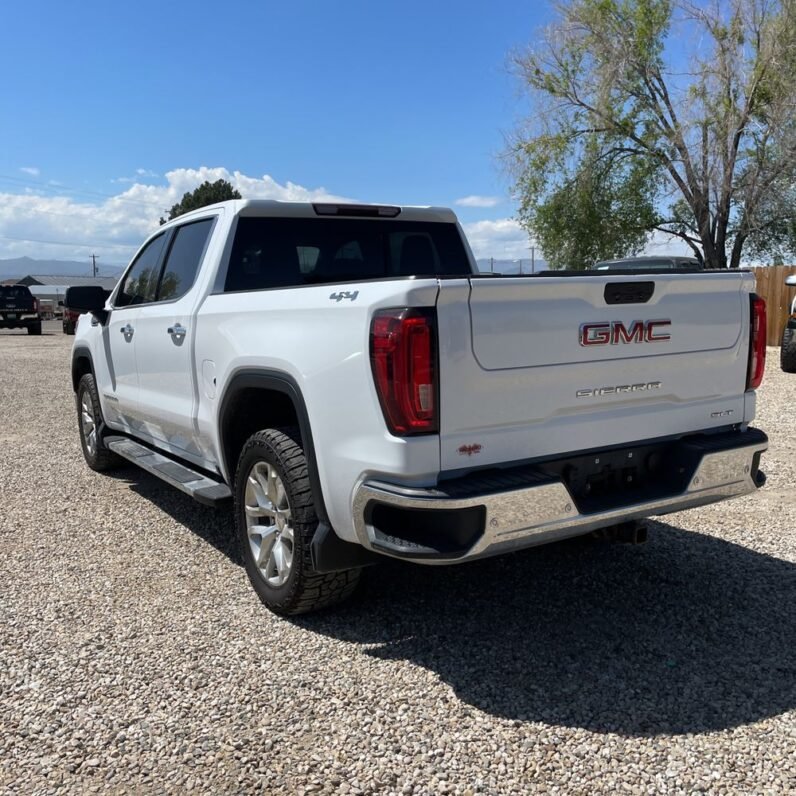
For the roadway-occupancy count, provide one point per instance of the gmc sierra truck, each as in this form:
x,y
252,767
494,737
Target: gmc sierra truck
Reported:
x,y
19,309
345,375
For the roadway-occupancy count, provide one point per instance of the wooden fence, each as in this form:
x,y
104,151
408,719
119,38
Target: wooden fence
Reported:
x,y
771,286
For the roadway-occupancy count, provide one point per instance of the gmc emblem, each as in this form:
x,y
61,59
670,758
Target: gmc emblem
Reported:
x,y
614,332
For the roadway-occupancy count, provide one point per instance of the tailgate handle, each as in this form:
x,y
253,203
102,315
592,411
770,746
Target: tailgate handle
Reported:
x,y
628,292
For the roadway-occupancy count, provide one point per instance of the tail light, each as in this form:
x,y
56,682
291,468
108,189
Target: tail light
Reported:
x,y
403,355
757,343
36,305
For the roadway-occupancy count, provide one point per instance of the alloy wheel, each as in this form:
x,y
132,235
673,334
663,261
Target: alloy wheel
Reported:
x,y
269,523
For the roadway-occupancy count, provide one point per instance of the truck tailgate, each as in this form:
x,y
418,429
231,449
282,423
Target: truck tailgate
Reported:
x,y
540,366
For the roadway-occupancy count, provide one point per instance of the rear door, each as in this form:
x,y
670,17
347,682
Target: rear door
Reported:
x,y
542,366
164,345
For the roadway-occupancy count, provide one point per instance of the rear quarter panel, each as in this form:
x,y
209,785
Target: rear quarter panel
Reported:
x,y
323,345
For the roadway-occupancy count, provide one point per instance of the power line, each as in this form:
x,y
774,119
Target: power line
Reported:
x,y
65,189
71,243
28,210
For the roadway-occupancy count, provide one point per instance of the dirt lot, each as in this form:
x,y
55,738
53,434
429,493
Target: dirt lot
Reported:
x,y
134,656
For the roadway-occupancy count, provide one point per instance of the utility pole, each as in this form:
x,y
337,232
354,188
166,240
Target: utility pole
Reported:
x,y
533,258
94,265
492,265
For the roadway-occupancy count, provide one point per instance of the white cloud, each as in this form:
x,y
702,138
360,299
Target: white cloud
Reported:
x,y
502,239
479,201
32,170
146,173
71,227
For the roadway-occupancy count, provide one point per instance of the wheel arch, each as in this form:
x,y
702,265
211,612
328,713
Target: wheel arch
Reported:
x,y
279,402
82,363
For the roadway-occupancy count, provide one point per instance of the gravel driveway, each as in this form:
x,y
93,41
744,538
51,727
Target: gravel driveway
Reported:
x,y
134,656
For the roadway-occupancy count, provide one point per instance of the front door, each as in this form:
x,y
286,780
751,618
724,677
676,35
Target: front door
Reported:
x,y
120,390
120,384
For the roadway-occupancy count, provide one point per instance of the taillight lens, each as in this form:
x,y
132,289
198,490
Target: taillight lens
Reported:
x,y
403,355
757,344
36,305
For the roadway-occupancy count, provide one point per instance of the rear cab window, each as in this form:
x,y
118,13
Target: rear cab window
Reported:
x,y
290,252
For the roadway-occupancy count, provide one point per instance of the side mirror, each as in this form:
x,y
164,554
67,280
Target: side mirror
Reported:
x,y
88,298
791,280
60,304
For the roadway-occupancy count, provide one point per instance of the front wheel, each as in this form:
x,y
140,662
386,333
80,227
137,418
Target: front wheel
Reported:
x,y
34,328
787,354
276,520
90,424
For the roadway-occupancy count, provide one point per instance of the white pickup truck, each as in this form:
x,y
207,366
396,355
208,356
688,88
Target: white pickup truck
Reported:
x,y
345,374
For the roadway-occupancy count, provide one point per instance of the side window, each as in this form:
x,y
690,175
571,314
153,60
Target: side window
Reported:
x,y
185,255
141,281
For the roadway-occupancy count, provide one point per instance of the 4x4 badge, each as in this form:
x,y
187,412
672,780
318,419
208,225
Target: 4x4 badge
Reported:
x,y
338,297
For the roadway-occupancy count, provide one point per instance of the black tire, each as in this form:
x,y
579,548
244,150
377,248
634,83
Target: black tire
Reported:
x,y
69,327
304,590
100,459
787,354
34,328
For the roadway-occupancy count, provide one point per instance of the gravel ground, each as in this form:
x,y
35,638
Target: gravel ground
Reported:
x,y
134,656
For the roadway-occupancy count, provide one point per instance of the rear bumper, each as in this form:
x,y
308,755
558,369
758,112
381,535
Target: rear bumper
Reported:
x,y
484,515
21,319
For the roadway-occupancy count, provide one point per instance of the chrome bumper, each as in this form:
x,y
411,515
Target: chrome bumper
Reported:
x,y
546,512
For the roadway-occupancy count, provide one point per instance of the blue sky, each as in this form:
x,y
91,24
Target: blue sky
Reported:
x,y
400,102
111,111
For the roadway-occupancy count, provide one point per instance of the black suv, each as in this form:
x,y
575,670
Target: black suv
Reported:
x,y
19,309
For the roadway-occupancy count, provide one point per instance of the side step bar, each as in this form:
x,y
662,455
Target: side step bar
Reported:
x,y
200,487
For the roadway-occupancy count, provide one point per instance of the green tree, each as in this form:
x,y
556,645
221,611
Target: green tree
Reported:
x,y
664,115
207,193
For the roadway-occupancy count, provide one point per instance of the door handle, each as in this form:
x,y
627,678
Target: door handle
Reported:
x,y
127,331
178,330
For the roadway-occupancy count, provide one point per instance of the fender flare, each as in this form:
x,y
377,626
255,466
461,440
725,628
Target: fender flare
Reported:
x,y
79,352
277,381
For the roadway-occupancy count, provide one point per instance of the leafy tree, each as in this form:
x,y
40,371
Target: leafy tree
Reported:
x,y
600,210
207,193
663,115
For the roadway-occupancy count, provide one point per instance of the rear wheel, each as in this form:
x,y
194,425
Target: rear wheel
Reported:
x,y
276,520
90,424
34,328
69,327
787,354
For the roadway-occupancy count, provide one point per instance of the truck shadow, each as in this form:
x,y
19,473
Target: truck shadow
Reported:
x,y
214,526
687,633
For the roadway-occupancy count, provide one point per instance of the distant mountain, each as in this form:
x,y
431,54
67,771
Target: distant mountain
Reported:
x,y
524,266
22,266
